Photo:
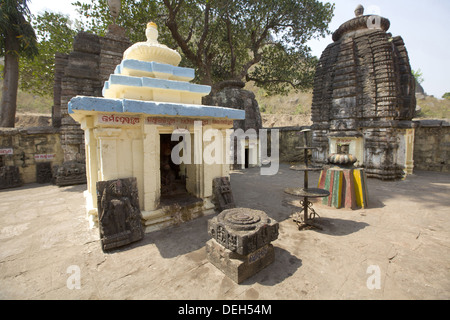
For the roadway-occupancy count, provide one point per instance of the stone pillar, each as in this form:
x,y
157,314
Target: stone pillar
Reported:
x,y
91,170
152,174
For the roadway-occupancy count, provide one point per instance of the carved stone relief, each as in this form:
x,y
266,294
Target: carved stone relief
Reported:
x,y
119,213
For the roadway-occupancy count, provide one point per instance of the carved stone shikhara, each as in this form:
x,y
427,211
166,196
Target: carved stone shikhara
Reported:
x,y
119,213
83,72
364,91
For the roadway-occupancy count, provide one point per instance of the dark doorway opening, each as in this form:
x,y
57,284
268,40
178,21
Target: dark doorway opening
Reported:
x,y
246,157
173,176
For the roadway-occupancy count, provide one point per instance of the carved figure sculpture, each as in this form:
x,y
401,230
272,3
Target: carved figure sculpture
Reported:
x,y
119,213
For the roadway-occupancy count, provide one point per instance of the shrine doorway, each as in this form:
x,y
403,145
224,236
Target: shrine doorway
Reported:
x,y
173,176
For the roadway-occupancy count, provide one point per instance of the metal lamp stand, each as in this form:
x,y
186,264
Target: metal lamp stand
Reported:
x,y
309,214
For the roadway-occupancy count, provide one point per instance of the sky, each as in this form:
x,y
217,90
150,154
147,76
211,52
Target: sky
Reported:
x,y
423,25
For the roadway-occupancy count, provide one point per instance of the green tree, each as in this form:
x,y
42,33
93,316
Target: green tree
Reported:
x,y
259,40
446,96
418,74
17,38
54,35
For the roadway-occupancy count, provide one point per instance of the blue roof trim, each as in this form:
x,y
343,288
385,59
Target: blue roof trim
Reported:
x,y
82,103
146,82
155,67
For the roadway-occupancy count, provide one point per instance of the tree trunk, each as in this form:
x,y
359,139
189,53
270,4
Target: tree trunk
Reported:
x,y
10,82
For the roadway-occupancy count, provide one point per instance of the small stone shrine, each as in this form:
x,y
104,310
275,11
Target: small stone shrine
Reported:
x,y
129,132
364,99
241,242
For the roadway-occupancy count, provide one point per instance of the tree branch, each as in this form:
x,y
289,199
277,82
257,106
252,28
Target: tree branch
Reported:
x,y
171,23
201,43
230,43
267,81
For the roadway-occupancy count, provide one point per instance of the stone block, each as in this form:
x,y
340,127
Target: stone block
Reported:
x,y
239,267
240,245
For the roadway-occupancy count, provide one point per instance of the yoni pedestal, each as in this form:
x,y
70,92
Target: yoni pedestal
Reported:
x,y
240,245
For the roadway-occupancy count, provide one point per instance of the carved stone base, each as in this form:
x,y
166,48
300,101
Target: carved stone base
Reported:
x,y
239,267
243,230
70,173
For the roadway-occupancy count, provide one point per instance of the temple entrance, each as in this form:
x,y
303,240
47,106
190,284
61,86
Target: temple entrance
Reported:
x,y
173,176
175,200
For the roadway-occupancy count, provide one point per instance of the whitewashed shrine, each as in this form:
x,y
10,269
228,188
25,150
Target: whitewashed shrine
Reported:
x,y
128,133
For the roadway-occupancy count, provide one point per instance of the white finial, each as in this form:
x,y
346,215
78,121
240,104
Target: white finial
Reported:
x,y
151,32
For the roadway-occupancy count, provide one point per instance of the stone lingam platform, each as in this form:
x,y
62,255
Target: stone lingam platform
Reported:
x,y
240,246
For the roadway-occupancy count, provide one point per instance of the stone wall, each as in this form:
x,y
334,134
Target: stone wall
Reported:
x,y
290,139
33,151
432,146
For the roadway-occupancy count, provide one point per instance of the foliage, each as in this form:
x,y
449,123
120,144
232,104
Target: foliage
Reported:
x,y
54,35
418,75
13,21
259,40
446,96
17,39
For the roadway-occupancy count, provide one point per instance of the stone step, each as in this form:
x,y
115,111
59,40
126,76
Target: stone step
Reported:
x,y
158,224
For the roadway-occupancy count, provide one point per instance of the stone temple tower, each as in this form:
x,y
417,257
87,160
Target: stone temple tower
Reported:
x,y
363,98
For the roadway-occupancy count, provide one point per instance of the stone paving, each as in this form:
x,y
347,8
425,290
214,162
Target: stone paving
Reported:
x,y
397,248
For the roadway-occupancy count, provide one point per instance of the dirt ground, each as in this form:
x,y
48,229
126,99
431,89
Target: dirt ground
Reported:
x,y
397,248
